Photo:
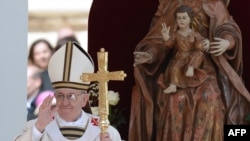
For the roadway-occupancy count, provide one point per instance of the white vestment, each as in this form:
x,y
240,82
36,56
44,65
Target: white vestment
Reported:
x,y
53,133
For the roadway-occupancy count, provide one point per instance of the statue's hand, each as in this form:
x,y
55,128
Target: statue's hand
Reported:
x,y
219,46
105,137
206,44
165,31
141,57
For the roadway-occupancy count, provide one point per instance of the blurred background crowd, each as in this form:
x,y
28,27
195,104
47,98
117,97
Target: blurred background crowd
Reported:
x,y
50,26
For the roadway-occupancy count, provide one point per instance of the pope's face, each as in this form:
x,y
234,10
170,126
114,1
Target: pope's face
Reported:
x,y
183,20
70,103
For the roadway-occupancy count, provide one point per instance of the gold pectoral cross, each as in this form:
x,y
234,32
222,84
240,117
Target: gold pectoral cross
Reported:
x,y
103,76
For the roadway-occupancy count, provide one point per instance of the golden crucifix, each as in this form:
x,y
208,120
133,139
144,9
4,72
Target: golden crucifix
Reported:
x,y
103,76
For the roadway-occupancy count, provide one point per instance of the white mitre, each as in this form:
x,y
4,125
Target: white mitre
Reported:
x,y
67,65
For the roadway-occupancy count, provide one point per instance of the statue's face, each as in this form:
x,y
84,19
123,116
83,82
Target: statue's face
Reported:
x,y
183,20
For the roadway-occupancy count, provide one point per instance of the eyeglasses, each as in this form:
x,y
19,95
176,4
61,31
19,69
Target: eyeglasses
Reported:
x,y
69,97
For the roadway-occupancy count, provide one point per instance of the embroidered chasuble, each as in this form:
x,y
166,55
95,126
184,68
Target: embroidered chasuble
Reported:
x,y
84,129
73,130
80,130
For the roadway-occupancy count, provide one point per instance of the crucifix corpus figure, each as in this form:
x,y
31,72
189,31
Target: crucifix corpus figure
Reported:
x,y
103,76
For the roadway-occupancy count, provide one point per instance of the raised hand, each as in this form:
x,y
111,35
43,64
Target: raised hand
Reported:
x,y
105,137
141,57
165,31
219,46
45,114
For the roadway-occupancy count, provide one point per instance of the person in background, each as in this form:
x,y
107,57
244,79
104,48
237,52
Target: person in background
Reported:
x,y
34,83
70,121
39,54
64,35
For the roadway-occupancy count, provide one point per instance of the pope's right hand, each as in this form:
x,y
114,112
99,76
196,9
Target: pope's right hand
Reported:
x,y
141,58
45,114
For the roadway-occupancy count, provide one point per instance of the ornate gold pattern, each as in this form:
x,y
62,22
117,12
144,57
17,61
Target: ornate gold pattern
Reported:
x,y
103,76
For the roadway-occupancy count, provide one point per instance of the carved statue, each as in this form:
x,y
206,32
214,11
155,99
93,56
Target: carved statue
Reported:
x,y
184,69
190,113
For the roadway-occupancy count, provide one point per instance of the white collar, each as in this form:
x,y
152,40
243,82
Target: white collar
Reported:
x,y
82,121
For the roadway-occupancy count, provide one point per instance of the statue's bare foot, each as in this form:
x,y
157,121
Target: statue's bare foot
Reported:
x,y
171,89
190,71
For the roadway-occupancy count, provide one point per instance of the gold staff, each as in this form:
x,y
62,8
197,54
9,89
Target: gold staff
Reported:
x,y
103,76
